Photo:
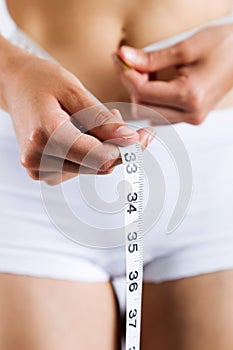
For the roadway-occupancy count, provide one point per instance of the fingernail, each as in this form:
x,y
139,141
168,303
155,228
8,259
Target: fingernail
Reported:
x,y
125,132
120,62
130,54
151,135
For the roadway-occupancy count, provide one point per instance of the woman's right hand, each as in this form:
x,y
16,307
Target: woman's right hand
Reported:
x,y
41,97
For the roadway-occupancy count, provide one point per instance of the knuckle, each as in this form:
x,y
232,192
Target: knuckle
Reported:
x,y
76,95
102,117
194,100
106,161
38,138
53,123
196,118
29,160
58,70
191,99
182,51
149,59
34,175
105,166
190,95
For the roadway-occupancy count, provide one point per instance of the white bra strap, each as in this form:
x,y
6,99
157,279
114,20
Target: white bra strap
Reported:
x,y
7,25
185,35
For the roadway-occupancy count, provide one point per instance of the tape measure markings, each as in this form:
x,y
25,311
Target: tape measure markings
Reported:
x,y
133,173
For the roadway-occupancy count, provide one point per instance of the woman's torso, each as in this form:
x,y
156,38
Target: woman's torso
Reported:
x,y
83,35
28,230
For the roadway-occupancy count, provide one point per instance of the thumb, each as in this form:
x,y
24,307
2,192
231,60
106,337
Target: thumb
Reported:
x,y
154,60
96,118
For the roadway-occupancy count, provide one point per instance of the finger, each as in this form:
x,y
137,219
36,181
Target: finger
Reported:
x,y
181,92
67,142
53,179
181,53
60,176
46,163
164,116
131,78
95,117
53,164
56,177
147,135
174,93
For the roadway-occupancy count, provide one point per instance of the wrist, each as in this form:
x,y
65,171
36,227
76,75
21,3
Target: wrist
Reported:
x,y
10,58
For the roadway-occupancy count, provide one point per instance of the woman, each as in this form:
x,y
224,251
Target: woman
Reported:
x,y
55,294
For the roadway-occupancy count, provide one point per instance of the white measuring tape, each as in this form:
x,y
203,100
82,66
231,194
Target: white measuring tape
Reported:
x,y
133,173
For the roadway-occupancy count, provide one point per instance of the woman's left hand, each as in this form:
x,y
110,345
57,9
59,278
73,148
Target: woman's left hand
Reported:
x,y
202,75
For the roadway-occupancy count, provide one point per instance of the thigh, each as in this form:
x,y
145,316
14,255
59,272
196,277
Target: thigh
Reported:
x,y
193,313
38,313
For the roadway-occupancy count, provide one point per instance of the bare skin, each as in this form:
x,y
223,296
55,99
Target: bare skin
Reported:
x,y
106,25
40,107
192,313
39,313
52,312
194,89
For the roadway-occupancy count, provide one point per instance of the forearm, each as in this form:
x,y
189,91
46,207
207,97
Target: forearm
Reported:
x,y
9,63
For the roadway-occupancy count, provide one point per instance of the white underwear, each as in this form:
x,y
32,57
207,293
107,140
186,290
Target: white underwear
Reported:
x,y
30,244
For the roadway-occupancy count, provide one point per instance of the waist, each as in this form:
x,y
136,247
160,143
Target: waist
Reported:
x,y
84,36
